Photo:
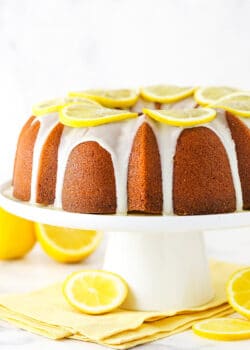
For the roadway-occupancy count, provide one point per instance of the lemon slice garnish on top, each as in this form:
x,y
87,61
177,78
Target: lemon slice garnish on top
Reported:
x,y
95,292
56,104
182,117
83,115
210,94
237,103
122,98
223,329
166,93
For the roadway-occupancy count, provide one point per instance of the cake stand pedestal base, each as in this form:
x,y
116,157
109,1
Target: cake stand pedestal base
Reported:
x,y
162,258
165,271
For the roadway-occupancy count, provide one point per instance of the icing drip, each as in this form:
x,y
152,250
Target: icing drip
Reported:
x,y
119,146
47,124
221,128
168,137
117,139
70,138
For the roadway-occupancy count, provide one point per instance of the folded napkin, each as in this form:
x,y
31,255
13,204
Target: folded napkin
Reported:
x,y
46,312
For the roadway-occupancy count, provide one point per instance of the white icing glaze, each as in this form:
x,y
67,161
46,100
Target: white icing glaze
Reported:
x,y
188,102
47,124
117,138
140,104
167,140
220,127
70,138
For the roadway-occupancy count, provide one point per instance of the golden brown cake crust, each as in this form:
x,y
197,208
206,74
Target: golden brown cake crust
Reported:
x,y
241,136
24,160
144,173
89,181
202,181
47,172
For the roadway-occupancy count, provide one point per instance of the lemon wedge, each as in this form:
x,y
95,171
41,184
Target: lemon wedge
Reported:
x,y
166,93
237,103
210,94
122,98
66,244
94,291
223,329
238,292
182,117
56,104
83,115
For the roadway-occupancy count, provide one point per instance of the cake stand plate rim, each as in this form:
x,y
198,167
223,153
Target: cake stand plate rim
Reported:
x,y
128,223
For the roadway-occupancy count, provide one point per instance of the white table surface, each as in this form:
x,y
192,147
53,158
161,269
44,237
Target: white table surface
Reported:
x,y
37,270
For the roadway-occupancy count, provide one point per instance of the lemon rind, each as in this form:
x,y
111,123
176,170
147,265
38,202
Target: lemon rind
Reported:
x,y
78,123
240,113
167,99
39,111
106,101
156,115
230,294
203,101
220,335
221,105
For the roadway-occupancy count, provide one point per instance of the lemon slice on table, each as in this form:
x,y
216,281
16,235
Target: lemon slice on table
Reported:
x,y
238,291
82,115
65,244
237,103
94,291
122,98
166,93
210,94
182,117
56,104
223,329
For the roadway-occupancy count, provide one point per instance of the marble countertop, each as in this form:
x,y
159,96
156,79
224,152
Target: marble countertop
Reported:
x,y
37,270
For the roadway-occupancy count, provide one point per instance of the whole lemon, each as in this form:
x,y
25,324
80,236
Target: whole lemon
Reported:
x,y
17,236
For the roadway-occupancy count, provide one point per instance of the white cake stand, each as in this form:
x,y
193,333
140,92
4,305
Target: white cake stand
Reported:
x,y
162,258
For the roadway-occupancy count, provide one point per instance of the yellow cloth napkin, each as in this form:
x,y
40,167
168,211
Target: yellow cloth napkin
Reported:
x,y
47,313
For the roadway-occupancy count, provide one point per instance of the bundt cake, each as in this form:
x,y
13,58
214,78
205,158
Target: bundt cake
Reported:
x,y
136,165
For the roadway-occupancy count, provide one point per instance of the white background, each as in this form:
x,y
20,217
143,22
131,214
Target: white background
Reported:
x,y
51,46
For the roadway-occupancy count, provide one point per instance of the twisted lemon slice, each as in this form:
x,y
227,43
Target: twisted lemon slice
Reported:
x,y
223,329
184,117
84,115
94,291
166,93
210,94
238,292
56,104
237,103
123,98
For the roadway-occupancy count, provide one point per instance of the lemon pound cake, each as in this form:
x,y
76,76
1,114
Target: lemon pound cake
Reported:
x,y
160,150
